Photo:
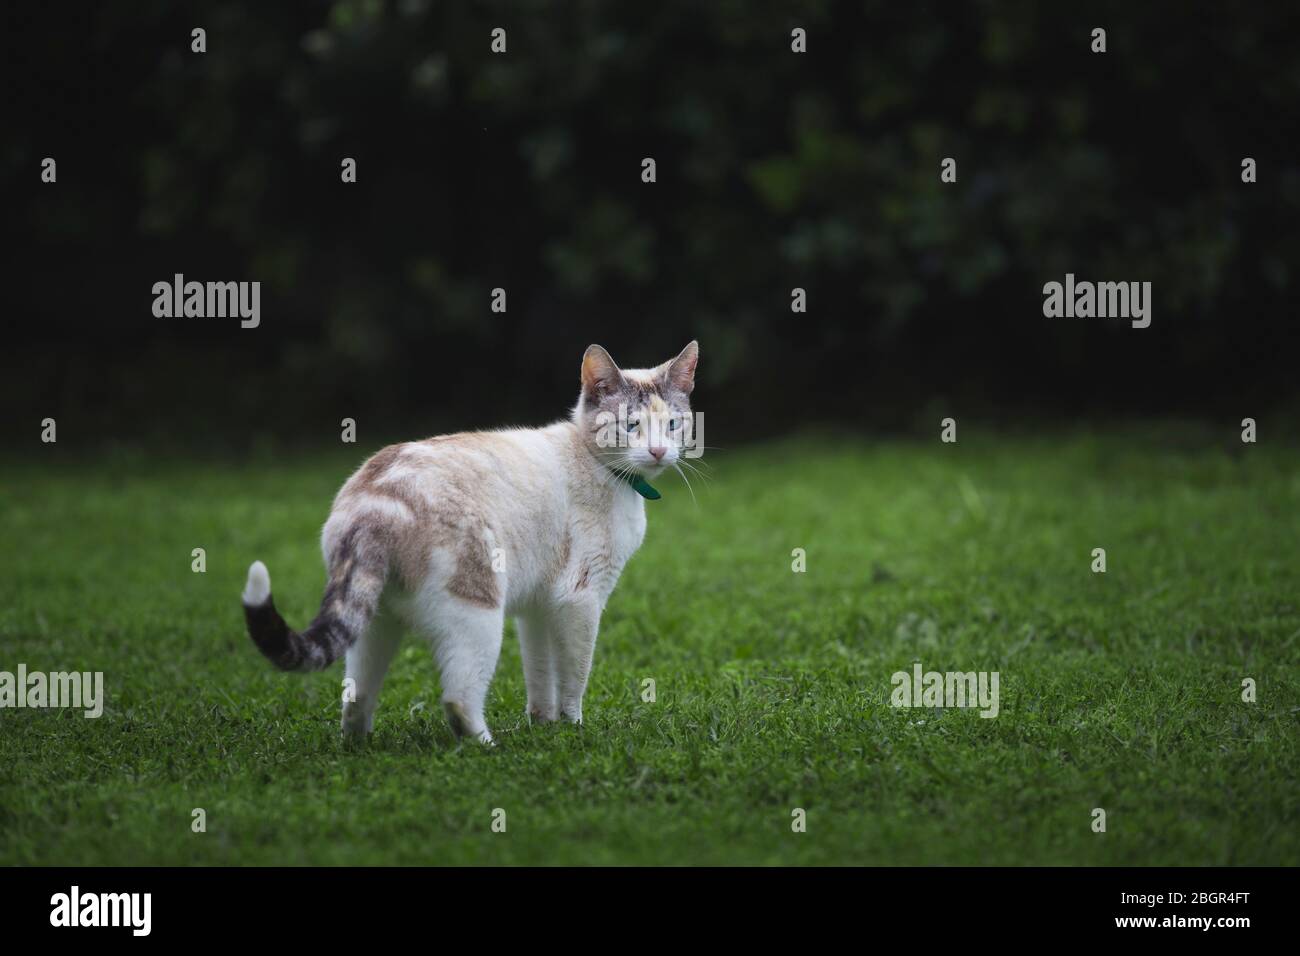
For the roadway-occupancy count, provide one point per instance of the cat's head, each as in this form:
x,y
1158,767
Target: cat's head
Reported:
x,y
637,420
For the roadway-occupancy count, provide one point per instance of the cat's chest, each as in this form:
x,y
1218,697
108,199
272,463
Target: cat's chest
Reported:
x,y
627,531
602,548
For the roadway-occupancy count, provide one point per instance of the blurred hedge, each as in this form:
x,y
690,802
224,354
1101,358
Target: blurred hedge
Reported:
x,y
522,171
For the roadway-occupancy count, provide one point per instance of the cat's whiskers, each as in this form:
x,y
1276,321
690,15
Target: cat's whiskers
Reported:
x,y
678,468
618,463
699,473
623,467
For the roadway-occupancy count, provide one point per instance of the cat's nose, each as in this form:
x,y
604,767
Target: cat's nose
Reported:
x,y
658,453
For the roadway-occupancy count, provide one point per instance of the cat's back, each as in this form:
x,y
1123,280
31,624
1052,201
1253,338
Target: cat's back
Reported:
x,y
451,493
460,473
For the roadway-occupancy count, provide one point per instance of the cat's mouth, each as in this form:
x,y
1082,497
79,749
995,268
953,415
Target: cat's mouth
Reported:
x,y
651,467
626,468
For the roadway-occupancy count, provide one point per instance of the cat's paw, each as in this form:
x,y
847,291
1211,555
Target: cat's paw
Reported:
x,y
356,723
462,724
541,715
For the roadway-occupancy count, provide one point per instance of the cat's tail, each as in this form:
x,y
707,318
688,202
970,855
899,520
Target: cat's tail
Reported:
x,y
356,581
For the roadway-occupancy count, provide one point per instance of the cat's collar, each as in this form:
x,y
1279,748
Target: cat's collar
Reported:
x,y
641,486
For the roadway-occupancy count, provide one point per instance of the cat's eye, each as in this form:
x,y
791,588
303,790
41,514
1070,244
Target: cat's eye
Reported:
x,y
632,424
674,424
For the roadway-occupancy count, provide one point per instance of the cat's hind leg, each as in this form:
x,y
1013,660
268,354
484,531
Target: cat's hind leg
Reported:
x,y
367,662
466,639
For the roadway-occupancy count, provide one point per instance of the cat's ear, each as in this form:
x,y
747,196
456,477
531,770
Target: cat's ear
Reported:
x,y
680,372
600,375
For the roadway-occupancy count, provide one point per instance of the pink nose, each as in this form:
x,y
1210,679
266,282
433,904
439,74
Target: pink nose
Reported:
x,y
658,453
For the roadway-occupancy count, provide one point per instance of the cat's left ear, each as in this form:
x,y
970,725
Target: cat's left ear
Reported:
x,y
680,372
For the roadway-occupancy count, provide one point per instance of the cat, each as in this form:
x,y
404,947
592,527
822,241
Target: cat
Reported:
x,y
449,535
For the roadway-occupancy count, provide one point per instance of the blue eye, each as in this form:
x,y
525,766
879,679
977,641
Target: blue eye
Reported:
x,y
632,424
674,424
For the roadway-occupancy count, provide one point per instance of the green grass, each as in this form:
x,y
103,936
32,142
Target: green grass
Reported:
x,y
1119,690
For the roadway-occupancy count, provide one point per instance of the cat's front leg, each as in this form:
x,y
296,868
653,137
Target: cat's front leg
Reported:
x,y
576,624
537,648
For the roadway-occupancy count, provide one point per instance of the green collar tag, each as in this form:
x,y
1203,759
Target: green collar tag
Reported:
x,y
642,487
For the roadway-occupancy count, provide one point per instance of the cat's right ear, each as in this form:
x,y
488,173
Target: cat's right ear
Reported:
x,y
600,375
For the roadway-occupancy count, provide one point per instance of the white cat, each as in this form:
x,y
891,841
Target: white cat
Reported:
x,y
449,535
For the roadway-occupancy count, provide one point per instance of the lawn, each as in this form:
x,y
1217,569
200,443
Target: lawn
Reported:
x,y
1120,691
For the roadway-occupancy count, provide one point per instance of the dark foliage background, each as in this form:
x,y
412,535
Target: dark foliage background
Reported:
x,y
775,170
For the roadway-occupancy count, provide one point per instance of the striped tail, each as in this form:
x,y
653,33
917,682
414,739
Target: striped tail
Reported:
x,y
356,581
